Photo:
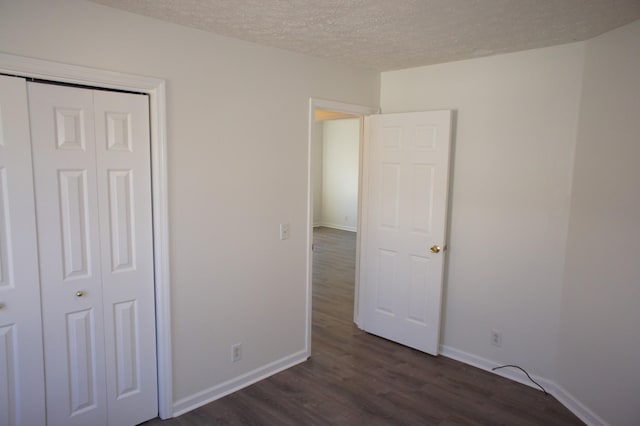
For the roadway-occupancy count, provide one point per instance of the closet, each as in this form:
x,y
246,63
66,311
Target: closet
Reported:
x,y
77,313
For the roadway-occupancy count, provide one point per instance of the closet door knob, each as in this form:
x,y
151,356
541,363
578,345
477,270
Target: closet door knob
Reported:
x,y
79,293
2,305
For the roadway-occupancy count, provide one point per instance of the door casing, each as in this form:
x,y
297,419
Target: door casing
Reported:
x,y
155,88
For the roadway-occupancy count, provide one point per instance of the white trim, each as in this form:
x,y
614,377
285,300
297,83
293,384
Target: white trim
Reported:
x,y
57,71
216,392
485,364
564,397
363,202
155,88
361,111
576,407
335,226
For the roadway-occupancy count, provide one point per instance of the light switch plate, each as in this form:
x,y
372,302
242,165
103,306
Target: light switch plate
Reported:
x,y
284,231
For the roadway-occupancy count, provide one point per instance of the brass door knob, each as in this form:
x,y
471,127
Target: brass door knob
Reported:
x,y
79,293
2,305
435,249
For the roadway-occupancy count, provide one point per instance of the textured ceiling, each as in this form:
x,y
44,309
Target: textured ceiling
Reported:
x,y
392,34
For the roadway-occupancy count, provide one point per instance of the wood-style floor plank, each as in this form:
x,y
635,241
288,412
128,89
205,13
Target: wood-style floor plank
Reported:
x,y
354,378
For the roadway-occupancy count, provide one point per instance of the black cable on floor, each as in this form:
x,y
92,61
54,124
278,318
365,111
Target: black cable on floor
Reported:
x,y
525,372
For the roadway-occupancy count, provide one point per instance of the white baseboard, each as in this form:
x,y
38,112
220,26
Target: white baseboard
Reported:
x,y
485,364
564,397
340,227
216,392
577,407
206,396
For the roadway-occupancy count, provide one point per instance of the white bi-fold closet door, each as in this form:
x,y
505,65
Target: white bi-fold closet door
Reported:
x,y
21,354
92,186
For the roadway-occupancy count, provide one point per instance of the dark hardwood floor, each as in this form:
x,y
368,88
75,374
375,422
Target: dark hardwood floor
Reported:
x,y
354,378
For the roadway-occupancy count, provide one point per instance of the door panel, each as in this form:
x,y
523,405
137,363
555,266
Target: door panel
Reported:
x,y
22,398
389,195
120,214
124,188
62,124
126,344
405,203
386,284
74,220
418,269
8,382
81,352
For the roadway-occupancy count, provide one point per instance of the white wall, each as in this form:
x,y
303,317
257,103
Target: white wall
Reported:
x,y
543,249
341,154
599,351
515,137
237,133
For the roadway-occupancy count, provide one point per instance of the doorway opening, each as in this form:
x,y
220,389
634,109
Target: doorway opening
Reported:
x,y
335,201
335,171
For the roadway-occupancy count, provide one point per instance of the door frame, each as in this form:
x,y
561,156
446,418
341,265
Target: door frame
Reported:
x,y
154,87
361,111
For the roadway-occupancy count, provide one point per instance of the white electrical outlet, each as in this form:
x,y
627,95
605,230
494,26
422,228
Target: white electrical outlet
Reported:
x,y
284,231
236,352
496,338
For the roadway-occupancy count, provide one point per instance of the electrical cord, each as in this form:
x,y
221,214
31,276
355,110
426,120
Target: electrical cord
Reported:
x,y
525,372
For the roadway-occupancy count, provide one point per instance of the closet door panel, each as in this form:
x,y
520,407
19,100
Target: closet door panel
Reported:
x,y
22,400
64,150
124,188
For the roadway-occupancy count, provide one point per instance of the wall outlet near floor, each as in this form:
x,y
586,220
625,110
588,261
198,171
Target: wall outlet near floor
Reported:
x,y
236,352
496,338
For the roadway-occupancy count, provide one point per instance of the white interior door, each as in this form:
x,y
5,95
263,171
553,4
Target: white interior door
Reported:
x,y
124,205
405,210
92,186
21,366
62,126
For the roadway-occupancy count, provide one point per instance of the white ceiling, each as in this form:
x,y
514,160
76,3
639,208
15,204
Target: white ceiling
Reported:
x,y
393,34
